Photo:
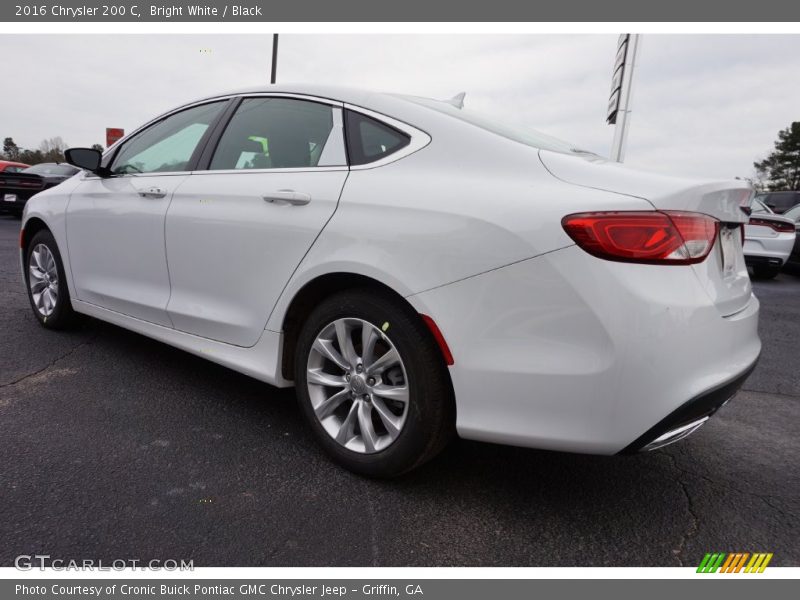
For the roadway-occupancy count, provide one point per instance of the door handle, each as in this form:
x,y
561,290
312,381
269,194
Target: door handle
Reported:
x,y
153,192
288,197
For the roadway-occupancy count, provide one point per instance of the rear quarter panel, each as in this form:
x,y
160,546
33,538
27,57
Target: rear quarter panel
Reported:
x,y
467,203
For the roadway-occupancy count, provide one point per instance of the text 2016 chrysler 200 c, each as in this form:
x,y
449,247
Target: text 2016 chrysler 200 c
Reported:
x,y
413,269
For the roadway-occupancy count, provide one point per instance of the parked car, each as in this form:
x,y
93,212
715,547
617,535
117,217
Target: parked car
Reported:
x,y
768,241
9,166
793,261
780,202
413,269
17,188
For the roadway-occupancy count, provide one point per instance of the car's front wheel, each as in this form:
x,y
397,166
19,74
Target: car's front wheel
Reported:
x,y
47,285
372,384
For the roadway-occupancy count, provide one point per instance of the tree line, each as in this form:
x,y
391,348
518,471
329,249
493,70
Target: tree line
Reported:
x,y
781,169
50,150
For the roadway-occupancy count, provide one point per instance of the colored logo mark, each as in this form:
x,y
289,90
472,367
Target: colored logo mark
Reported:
x,y
734,562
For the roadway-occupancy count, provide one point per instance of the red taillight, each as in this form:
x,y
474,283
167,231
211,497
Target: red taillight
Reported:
x,y
778,226
653,237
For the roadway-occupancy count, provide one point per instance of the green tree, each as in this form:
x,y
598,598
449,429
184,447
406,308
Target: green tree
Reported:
x,y
781,169
31,157
10,149
98,147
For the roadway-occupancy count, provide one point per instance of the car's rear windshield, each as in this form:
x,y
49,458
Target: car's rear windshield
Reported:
x,y
783,199
516,131
52,169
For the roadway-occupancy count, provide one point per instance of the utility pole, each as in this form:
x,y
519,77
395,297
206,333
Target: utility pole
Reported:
x,y
274,57
620,104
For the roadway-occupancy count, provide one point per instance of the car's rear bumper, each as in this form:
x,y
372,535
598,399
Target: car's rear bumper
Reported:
x,y
17,205
570,352
688,417
772,251
773,262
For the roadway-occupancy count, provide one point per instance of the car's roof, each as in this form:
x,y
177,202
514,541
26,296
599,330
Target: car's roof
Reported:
x,y
347,94
13,163
393,104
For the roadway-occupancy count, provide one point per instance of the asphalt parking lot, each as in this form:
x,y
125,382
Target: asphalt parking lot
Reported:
x,y
113,446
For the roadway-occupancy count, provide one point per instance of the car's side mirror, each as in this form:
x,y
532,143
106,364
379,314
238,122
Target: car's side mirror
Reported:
x,y
85,158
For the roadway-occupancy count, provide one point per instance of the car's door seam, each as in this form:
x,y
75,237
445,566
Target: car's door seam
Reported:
x,y
310,246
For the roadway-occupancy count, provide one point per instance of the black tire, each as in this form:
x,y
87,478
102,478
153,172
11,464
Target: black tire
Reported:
x,y
764,272
430,418
62,315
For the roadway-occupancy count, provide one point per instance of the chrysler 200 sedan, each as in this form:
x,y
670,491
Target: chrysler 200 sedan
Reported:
x,y
415,270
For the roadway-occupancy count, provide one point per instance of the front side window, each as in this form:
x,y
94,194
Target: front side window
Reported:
x,y
166,146
369,140
275,133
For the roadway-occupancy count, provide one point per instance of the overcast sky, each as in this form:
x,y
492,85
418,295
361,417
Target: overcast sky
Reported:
x,y
703,105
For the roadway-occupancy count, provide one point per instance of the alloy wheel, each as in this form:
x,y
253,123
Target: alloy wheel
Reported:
x,y
358,385
43,279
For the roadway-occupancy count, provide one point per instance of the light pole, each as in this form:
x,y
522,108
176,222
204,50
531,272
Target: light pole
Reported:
x,y
620,105
274,57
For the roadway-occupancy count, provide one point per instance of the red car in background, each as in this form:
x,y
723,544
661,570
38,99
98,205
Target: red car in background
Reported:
x,y
9,166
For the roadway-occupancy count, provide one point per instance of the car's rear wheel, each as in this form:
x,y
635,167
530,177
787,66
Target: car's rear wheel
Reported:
x,y
47,285
372,384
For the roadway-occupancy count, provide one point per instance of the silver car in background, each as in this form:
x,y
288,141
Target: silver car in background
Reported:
x,y
768,241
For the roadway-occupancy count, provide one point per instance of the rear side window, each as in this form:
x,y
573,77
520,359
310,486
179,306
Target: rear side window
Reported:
x,y
369,140
758,207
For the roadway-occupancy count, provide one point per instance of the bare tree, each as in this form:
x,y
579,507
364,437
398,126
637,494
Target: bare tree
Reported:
x,y
52,149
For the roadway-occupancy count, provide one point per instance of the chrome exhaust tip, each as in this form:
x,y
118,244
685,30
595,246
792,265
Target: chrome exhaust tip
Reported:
x,y
674,435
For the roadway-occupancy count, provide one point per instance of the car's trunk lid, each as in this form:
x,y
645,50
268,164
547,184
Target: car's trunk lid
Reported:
x,y
723,273
21,181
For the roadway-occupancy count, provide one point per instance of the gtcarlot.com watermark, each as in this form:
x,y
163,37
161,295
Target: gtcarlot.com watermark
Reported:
x,y
29,562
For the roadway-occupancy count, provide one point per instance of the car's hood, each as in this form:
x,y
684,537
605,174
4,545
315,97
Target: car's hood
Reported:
x,y
721,199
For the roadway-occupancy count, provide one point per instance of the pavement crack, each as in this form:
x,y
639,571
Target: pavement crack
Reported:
x,y
694,525
784,394
49,365
765,498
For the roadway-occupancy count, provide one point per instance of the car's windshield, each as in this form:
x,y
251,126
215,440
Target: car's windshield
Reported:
x,y
52,169
516,131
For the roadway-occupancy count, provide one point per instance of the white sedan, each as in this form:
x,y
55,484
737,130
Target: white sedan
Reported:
x,y
415,270
768,240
